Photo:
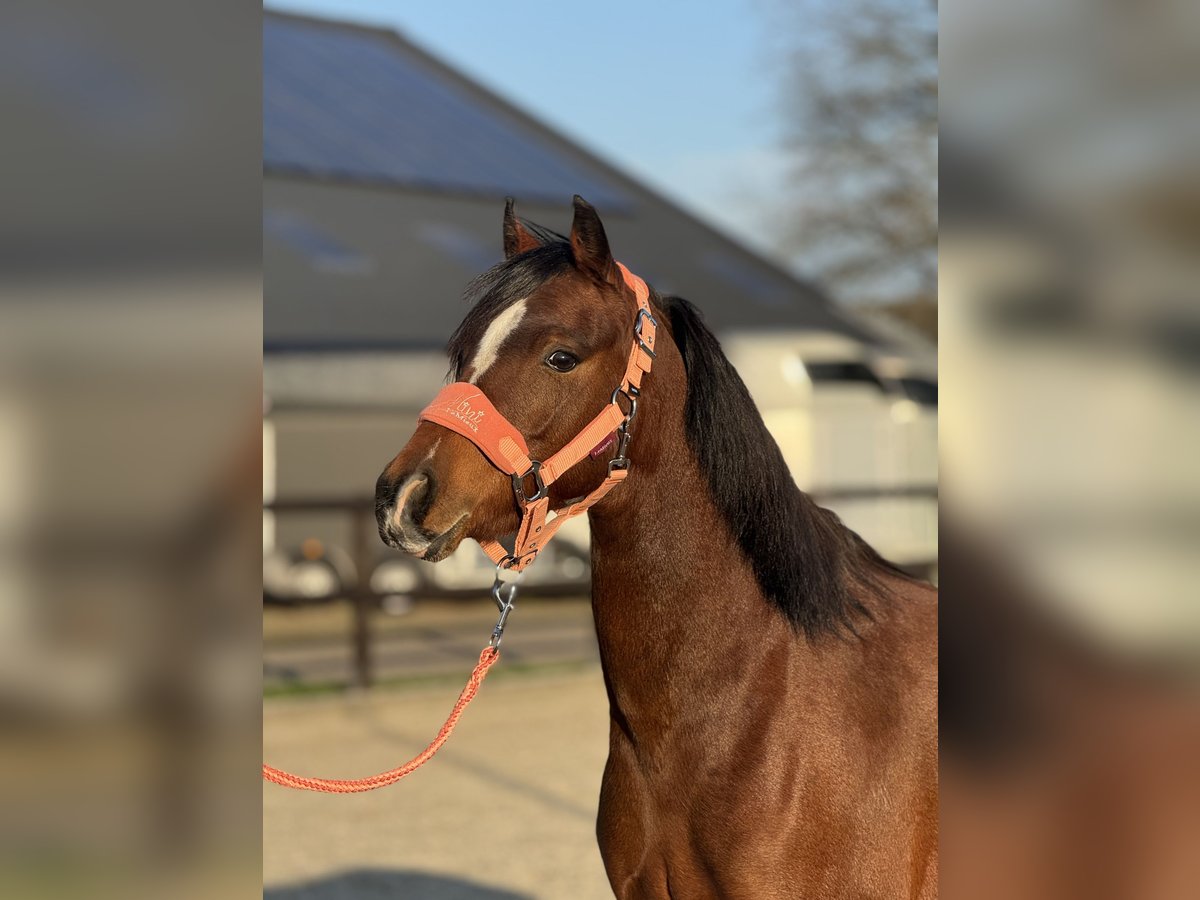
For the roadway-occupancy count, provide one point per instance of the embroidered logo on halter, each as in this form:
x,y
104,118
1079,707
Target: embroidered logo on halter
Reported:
x,y
466,414
603,445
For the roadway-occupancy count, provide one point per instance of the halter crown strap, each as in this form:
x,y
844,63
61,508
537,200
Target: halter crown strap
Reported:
x,y
464,409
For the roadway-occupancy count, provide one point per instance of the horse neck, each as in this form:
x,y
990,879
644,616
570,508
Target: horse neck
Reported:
x,y
679,614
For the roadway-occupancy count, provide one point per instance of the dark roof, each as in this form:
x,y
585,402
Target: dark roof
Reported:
x,y
384,178
362,105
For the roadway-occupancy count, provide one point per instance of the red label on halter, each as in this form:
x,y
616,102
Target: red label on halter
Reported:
x,y
603,445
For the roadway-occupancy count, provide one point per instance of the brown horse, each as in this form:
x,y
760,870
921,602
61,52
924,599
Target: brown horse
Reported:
x,y
772,681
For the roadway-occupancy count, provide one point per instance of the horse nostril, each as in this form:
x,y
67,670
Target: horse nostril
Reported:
x,y
413,499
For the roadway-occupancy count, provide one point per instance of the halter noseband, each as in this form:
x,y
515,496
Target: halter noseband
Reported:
x,y
464,409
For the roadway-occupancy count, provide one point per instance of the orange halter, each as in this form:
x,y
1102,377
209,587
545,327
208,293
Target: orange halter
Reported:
x,y
465,409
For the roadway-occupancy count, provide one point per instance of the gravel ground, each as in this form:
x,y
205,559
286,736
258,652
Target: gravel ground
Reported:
x,y
506,811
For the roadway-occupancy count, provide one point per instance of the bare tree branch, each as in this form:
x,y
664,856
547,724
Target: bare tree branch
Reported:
x,y
861,107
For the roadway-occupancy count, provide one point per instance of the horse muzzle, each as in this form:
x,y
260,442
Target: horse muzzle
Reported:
x,y
402,514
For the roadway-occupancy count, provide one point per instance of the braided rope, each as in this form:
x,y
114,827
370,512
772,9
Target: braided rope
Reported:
x,y
353,786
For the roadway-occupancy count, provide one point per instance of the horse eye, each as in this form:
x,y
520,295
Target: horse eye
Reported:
x,y
562,361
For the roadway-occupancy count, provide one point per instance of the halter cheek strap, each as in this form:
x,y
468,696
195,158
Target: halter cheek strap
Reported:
x,y
464,409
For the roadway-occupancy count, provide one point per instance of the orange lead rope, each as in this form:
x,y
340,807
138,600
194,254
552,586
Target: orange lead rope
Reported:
x,y
464,409
354,786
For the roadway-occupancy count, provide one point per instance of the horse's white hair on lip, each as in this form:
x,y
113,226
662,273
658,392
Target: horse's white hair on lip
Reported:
x,y
493,339
402,493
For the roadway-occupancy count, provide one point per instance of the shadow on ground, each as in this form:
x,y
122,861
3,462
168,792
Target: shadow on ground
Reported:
x,y
378,884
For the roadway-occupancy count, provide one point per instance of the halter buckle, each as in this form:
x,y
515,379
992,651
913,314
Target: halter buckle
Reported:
x,y
642,315
518,483
618,462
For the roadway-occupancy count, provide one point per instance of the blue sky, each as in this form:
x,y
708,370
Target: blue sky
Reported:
x,y
680,94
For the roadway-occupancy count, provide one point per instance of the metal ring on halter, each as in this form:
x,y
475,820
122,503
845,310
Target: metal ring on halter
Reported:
x,y
504,567
631,396
518,483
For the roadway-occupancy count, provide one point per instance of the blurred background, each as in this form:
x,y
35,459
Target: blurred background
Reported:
x,y
130,390
1070,343
730,169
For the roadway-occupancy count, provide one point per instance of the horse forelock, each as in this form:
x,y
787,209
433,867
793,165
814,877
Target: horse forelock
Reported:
x,y
497,291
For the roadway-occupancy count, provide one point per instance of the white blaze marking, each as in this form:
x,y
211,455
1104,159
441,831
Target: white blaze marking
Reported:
x,y
493,339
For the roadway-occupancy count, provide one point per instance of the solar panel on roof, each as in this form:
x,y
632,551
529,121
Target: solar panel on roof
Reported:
x,y
323,251
347,103
460,244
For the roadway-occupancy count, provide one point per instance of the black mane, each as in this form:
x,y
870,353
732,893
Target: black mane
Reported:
x,y
808,564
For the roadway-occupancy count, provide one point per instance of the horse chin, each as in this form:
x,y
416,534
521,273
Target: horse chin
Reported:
x,y
446,542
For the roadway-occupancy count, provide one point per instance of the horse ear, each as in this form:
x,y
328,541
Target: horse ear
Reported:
x,y
517,239
589,244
